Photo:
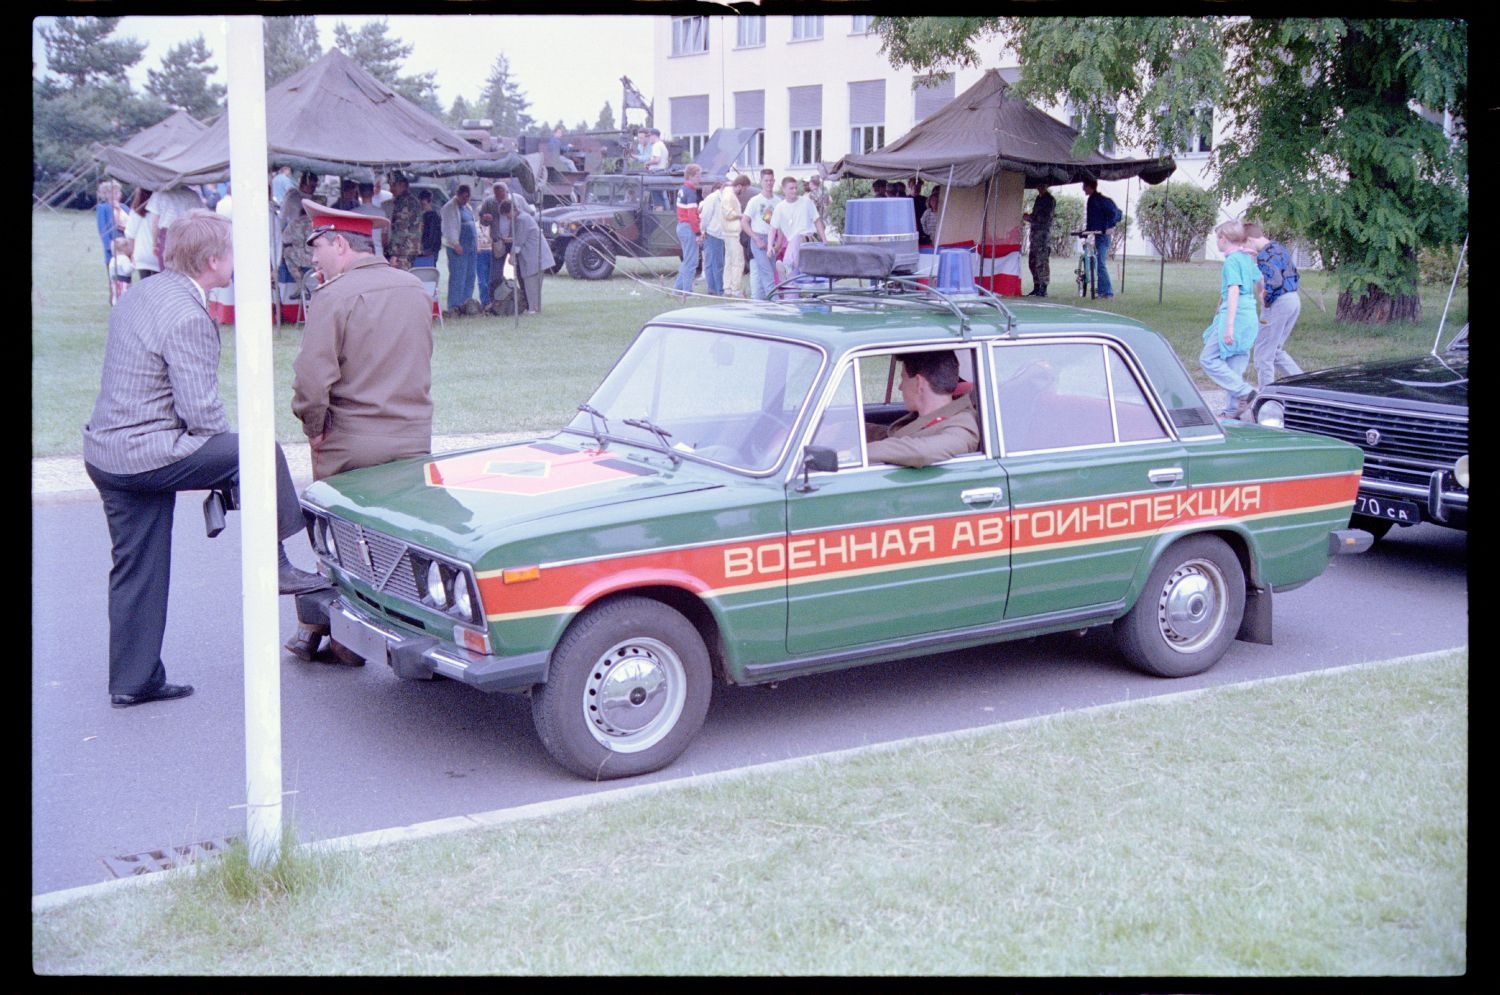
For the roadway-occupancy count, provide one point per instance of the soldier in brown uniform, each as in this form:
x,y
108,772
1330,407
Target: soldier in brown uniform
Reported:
x,y
938,427
406,223
362,384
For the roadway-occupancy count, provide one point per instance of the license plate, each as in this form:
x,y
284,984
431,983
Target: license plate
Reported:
x,y
1401,512
363,639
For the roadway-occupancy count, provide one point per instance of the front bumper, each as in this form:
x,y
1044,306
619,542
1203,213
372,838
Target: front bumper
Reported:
x,y
414,657
1396,502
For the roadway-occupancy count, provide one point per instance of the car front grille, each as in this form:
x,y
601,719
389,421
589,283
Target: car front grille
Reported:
x,y
1408,446
389,570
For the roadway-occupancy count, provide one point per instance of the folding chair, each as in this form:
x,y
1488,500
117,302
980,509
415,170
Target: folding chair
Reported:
x,y
429,277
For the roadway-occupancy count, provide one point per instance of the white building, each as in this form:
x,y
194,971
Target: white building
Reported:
x,y
818,88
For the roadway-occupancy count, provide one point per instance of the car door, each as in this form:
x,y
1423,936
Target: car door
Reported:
x,y
877,553
1094,471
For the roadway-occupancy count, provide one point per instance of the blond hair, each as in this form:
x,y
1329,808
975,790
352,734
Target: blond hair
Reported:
x,y
1233,232
197,238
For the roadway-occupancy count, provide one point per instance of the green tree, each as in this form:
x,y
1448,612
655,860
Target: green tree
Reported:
x,y
458,112
382,56
291,45
1332,127
183,81
1176,218
81,51
504,102
606,119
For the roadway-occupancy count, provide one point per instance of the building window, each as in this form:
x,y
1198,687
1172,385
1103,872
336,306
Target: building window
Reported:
x,y
862,24
806,118
807,146
866,116
690,122
931,95
689,35
1106,134
806,28
750,32
1203,131
750,112
866,138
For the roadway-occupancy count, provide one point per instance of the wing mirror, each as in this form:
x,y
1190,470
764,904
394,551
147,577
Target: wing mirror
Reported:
x,y
819,458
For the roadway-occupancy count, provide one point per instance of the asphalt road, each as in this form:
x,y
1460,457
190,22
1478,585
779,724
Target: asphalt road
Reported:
x,y
364,751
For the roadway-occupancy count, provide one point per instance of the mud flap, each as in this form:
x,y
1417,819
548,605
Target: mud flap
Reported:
x,y
1255,627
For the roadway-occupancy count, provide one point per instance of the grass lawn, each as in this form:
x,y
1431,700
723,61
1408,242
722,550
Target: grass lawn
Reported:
x,y
1314,825
490,375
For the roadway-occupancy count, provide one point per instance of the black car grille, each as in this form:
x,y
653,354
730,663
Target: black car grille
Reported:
x,y
1409,445
390,569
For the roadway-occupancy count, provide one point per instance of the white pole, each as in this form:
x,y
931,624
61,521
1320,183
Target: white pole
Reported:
x,y
245,61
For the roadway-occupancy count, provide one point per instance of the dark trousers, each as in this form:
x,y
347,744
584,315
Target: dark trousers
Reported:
x,y
138,508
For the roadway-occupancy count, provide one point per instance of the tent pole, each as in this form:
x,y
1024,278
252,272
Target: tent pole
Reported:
x,y
1161,250
1123,244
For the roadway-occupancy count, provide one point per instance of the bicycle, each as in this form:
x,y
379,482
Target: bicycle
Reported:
x,y
1087,272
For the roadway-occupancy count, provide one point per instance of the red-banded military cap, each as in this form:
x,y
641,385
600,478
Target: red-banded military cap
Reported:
x,y
330,220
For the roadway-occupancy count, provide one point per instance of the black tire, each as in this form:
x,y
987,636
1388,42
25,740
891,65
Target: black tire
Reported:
x,y
589,257
1189,611
1377,527
628,690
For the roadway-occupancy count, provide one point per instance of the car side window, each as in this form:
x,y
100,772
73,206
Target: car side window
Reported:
x,y
1133,415
1066,395
840,428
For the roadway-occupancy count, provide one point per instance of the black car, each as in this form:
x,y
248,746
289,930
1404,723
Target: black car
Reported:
x,y
631,214
1411,418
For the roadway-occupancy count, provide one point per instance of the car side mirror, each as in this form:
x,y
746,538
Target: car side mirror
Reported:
x,y
819,458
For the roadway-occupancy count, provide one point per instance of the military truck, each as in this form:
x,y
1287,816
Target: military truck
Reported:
x,y
631,214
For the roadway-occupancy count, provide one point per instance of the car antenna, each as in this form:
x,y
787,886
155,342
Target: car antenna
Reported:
x,y
1449,302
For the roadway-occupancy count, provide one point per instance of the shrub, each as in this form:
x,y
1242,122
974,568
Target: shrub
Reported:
x,y
1176,218
839,194
1436,266
1067,218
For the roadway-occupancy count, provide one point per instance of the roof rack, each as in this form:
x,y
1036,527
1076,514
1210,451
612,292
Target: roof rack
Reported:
x,y
874,266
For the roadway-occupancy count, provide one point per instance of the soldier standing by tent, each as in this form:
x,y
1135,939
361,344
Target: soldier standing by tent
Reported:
x,y
1040,257
406,223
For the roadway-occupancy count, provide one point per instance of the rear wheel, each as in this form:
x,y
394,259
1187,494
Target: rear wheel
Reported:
x,y
1189,611
589,258
628,690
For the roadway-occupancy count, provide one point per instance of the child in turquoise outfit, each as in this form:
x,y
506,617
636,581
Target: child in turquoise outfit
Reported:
x,y
1227,340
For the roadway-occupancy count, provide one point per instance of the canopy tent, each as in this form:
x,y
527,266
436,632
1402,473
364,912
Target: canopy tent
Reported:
x,y
984,131
984,148
331,117
165,138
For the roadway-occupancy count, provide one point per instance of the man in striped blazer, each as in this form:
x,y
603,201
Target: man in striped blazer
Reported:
x,y
159,427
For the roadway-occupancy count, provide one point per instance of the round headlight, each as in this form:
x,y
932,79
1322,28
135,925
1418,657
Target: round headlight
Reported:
x,y
461,600
437,588
1271,414
328,540
1461,471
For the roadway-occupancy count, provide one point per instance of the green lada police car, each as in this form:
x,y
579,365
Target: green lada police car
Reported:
x,y
713,513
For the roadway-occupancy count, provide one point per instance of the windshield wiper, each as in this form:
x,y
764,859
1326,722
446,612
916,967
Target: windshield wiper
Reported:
x,y
596,416
659,432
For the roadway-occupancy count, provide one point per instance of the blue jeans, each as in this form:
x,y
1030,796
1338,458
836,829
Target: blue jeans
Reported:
x,y
461,271
482,269
688,271
1101,264
713,264
1228,373
762,271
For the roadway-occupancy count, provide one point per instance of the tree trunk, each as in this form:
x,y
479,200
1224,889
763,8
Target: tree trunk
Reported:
x,y
1376,307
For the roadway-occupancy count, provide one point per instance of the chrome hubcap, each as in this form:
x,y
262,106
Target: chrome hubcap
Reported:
x,y
634,695
1191,610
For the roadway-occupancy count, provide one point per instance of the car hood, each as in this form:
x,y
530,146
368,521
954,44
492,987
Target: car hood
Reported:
x,y
1426,380
584,213
465,503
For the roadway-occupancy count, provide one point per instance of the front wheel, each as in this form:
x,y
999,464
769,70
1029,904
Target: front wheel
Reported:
x,y
628,690
1189,611
588,257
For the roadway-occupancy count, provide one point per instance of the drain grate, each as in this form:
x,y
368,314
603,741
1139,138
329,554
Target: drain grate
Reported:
x,y
167,858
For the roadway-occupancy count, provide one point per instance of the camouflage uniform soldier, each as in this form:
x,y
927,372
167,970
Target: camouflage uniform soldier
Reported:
x,y
406,224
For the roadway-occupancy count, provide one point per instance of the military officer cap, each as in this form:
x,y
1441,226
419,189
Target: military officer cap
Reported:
x,y
331,220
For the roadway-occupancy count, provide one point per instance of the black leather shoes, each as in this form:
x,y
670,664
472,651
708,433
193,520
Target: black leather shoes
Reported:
x,y
304,644
293,581
164,693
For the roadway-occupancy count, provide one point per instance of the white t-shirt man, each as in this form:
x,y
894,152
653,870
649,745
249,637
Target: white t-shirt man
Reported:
x,y
657,160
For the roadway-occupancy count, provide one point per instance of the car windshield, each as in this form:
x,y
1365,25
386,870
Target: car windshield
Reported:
x,y
612,192
713,396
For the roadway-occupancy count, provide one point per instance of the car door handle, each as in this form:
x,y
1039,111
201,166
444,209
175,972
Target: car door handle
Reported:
x,y
981,495
1164,475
